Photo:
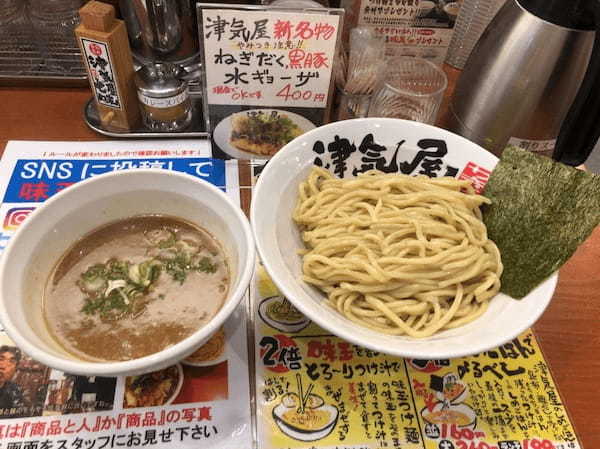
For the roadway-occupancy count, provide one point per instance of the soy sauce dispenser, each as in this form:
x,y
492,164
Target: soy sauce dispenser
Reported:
x,y
533,79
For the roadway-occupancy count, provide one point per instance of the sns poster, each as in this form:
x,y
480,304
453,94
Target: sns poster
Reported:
x,y
315,390
268,75
200,402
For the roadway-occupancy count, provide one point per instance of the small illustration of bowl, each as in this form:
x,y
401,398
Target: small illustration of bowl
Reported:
x,y
460,415
297,433
280,325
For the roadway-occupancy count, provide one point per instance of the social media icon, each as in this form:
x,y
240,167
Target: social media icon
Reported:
x,y
15,216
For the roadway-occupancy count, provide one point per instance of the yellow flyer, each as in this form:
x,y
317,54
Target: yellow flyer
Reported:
x,y
315,390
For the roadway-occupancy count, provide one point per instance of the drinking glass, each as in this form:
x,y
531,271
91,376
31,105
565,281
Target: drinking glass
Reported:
x,y
55,14
352,105
411,89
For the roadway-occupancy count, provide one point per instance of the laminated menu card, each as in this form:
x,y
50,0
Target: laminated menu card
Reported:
x,y
315,390
197,402
299,387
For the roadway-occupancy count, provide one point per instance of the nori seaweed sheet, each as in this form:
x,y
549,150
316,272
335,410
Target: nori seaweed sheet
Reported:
x,y
541,212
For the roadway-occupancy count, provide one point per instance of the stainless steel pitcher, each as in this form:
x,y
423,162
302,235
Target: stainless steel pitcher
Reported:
x,y
524,80
162,30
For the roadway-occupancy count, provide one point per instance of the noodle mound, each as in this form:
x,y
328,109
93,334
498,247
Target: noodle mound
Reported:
x,y
398,254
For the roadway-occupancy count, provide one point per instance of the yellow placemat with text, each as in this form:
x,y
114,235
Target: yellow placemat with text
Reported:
x,y
315,390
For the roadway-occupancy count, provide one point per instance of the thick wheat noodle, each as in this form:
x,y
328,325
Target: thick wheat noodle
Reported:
x,y
398,254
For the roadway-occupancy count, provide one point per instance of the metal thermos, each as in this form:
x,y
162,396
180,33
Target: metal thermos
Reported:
x,y
162,31
534,79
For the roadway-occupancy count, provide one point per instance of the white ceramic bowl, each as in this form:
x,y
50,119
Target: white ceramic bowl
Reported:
x,y
54,226
278,239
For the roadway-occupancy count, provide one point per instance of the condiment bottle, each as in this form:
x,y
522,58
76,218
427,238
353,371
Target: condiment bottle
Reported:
x,y
107,58
164,97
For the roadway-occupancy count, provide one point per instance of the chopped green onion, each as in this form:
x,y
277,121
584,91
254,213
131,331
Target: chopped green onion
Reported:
x,y
120,288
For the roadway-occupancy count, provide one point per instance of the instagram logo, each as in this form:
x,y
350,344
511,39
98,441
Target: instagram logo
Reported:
x,y
15,216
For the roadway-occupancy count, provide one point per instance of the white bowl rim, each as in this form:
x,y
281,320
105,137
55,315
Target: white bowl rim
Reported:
x,y
146,363
320,320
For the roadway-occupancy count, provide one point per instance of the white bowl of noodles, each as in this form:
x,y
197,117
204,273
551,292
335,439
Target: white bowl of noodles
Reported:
x,y
346,149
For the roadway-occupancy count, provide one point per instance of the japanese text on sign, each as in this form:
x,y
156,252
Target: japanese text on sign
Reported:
x,y
102,77
268,58
36,180
341,395
377,12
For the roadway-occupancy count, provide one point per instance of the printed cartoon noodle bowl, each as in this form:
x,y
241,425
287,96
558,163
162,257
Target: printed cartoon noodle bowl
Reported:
x,y
459,415
284,311
314,422
309,420
280,314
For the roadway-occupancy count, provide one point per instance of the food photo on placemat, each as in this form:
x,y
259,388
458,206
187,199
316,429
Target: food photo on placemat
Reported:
x,y
153,389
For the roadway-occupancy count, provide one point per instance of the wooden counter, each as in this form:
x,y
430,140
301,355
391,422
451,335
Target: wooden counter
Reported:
x,y
569,331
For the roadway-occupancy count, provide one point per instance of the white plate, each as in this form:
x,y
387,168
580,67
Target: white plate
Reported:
x,y
278,239
222,133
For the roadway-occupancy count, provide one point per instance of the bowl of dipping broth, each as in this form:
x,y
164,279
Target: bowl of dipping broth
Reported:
x,y
125,273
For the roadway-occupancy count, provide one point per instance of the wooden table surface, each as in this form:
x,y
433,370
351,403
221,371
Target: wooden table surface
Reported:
x,y
569,330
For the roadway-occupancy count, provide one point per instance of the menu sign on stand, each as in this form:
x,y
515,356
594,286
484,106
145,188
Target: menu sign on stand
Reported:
x,y
412,27
204,402
268,75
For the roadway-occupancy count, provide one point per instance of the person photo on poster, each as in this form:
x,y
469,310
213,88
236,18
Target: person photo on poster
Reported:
x,y
91,394
11,396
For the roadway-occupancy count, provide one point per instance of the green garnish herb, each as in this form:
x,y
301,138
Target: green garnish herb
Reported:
x,y
168,242
206,266
117,288
179,266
